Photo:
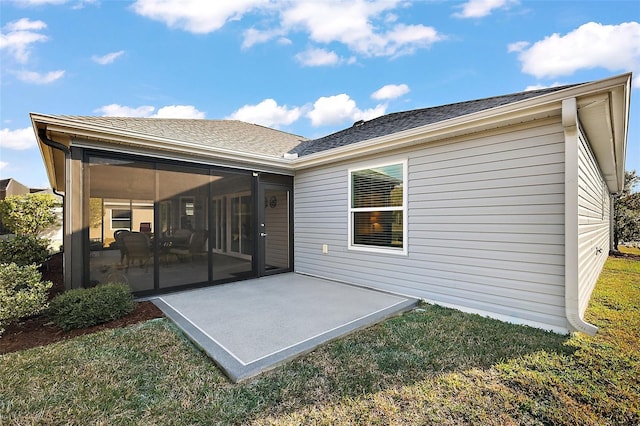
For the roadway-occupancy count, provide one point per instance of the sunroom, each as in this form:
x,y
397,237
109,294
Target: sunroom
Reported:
x,y
161,221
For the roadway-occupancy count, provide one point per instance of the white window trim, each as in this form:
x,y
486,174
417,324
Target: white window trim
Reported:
x,y
111,218
373,249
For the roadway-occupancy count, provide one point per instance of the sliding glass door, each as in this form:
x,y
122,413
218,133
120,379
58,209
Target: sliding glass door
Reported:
x,y
158,225
183,209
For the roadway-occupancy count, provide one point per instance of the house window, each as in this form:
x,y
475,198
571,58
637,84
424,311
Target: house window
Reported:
x,y
120,219
377,208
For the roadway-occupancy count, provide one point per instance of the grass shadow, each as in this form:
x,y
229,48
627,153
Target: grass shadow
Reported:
x,y
424,343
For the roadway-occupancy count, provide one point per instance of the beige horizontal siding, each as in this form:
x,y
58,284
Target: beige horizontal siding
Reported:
x,y
593,222
485,226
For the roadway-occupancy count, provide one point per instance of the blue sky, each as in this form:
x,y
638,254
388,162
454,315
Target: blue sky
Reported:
x,y
308,68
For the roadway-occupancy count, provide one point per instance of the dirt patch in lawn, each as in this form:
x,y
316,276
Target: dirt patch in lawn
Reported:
x,y
620,254
40,331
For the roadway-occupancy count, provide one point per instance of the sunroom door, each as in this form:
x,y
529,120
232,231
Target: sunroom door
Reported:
x,y
275,238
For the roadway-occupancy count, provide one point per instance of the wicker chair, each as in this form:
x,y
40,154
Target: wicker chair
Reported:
x,y
137,246
197,246
118,237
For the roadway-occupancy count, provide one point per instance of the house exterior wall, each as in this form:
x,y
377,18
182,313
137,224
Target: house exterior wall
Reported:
x,y
140,213
485,225
15,188
594,210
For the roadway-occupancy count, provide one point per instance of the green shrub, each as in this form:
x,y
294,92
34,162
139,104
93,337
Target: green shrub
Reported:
x,y
81,308
29,214
22,292
24,250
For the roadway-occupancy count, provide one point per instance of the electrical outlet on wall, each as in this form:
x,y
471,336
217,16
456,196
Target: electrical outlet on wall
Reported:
x,y
325,249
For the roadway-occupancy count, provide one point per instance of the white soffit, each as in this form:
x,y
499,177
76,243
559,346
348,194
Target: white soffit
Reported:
x,y
604,118
595,118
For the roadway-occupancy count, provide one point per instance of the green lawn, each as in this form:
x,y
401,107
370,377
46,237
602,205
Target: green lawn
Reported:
x,y
629,250
430,366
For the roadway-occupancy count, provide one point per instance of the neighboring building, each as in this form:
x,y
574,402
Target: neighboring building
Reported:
x,y
499,206
9,187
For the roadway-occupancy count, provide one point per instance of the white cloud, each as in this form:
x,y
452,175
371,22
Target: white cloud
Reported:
x,y
19,139
592,45
25,24
405,39
366,27
253,36
267,113
195,16
19,37
115,110
330,110
541,86
337,109
179,111
40,2
147,111
518,46
3,164
108,58
317,57
370,114
390,91
352,24
34,77
482,8
78,4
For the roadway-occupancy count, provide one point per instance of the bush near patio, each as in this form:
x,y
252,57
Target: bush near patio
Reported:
x,y
29,214
429,366
24,250
79,308
22,292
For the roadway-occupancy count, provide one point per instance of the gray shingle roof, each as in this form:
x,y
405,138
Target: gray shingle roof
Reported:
x,y
249,138
399,121
232,135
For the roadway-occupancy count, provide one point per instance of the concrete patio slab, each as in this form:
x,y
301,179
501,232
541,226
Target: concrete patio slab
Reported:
x,y
251,326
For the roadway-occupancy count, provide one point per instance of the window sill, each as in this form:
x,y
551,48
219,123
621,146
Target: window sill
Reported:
x,y
381,250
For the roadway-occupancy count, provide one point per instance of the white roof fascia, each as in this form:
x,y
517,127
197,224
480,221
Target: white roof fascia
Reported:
x,y
515,112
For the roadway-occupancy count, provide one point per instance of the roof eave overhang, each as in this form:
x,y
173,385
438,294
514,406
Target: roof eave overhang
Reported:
x,y
50,157
604,117
57,126
616,89
446,129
